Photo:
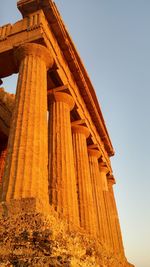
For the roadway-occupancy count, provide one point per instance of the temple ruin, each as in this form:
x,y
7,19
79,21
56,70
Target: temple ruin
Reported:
x,y
56,179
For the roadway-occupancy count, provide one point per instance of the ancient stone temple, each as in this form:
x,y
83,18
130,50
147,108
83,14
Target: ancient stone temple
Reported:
x,y
57,205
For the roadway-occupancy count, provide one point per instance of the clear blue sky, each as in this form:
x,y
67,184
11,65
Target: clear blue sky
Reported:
x,y
113,39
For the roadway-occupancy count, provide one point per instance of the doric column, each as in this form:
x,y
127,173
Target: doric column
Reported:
x,y
114,215
94,154
62,181
109,228
87,210
26,173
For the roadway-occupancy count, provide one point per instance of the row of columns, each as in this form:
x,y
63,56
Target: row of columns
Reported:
x,y
84,185
77,186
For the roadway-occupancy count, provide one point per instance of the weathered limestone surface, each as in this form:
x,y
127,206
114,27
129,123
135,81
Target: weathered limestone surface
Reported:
x,y
87,209
62,181
7,102
7,99
3,151
31,238
26,164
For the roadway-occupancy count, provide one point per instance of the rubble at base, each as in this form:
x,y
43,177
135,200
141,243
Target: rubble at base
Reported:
x,y
31,238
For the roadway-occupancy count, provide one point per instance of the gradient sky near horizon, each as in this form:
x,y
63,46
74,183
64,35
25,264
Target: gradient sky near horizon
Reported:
x,y
113,40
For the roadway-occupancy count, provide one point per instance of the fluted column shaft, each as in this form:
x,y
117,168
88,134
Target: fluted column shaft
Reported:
x,y
62,181
114,215
87,210
109,227
97,193
26,173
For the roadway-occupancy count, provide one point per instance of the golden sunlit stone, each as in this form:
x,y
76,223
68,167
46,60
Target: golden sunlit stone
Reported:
x,y
56,184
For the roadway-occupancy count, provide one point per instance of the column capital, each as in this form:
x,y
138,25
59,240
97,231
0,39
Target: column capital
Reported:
x,y
61,97
32,49
80,129
94,153
103,167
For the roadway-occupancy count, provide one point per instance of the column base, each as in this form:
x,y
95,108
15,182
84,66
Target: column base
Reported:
x,y
31,237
